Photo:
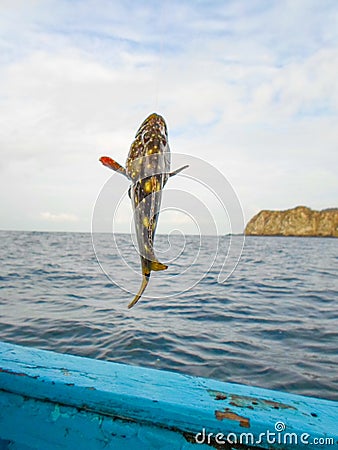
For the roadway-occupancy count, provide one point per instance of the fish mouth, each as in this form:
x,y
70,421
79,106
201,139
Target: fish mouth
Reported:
x,y
153,119
153,116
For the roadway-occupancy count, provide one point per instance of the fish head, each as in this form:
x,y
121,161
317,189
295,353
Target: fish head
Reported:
x,y
149,153
155,124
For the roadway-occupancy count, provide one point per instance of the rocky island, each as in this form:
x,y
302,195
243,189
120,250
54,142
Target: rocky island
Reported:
x,y
299,221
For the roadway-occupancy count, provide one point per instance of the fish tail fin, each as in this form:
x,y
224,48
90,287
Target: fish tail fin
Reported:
x,y
144,284
147,267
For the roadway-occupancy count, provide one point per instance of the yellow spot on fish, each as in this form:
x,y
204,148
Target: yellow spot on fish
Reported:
x,y
146,222
137,164
147,186
150,151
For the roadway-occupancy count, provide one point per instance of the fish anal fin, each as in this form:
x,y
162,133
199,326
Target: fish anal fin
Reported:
x,y
156,265
175,172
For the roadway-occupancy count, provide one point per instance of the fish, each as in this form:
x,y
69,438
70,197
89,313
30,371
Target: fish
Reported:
x,y
148,169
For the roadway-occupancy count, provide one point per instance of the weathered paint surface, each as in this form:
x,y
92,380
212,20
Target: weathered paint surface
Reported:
x,y
51,401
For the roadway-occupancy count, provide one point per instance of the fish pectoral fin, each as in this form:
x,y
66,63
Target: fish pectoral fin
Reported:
x,y
109,162
144,284
175,172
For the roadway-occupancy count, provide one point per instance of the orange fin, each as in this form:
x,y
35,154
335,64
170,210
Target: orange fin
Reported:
x,y
109,162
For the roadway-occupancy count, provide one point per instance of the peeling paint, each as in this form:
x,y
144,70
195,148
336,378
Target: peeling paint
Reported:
x,y
56,413
230,415
18,374
95,404
217,395
244,401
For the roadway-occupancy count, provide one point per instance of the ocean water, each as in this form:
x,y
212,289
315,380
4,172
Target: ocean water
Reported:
x,y
272,323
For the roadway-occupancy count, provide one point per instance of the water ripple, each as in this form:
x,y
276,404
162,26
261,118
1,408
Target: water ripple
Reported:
x,y
272,324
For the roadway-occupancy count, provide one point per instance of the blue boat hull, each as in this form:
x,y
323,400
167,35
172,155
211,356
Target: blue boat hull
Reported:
x,y
56,401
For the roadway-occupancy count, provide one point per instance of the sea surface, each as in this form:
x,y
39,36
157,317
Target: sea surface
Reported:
x,y
271,323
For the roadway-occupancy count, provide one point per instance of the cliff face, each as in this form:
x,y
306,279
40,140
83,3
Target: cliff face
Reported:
x,y
299,221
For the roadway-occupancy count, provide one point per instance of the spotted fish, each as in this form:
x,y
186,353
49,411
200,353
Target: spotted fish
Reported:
x,y
148,169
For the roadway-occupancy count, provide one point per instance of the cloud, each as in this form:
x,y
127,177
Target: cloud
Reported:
x,y
248,86
61,217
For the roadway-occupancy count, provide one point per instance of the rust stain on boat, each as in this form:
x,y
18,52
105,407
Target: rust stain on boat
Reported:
x,y
220,396
230,415
18,374
245,401
217,394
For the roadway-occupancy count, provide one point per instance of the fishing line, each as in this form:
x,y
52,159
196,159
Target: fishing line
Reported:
x,y
159,64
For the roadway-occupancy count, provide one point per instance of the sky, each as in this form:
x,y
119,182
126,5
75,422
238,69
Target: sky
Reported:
x,y
249,90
